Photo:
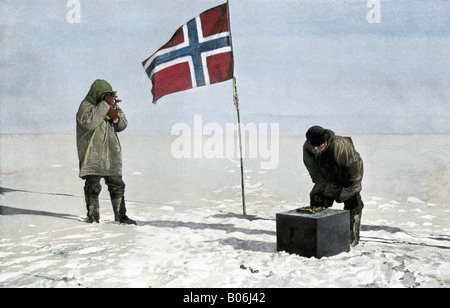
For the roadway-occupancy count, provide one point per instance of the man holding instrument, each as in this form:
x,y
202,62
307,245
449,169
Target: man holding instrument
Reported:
x,y
99,151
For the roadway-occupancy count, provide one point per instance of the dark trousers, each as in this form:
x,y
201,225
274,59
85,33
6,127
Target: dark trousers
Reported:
x,y
92,187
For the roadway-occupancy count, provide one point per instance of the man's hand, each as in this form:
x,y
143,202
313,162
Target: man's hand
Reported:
x,y
345,194
331,190
113,114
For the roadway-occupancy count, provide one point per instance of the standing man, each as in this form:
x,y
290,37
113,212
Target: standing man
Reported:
x,y
337,171
99,150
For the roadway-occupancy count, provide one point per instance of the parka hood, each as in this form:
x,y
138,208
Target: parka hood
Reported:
x,y
98,88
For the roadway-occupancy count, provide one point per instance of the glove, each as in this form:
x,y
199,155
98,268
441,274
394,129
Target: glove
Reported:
x,y
113,114
317,189
320,200
331,190
345,194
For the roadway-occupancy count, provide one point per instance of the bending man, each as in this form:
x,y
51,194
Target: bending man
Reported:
x,y
337,171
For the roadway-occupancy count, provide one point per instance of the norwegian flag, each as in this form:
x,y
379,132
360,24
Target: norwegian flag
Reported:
x,y
198,54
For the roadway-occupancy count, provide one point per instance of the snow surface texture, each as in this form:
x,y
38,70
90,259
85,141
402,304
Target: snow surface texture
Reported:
x,y
191,231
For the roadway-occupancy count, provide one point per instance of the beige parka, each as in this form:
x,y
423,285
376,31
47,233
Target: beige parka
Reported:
x,y
99,149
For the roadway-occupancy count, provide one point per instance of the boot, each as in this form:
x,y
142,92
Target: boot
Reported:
x,y
355,225
120,212
93,206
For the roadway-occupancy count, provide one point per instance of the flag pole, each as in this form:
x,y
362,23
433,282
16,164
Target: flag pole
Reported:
x,y
236,103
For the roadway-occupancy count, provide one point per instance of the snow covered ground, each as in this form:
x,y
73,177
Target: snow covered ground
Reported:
x,y
190,230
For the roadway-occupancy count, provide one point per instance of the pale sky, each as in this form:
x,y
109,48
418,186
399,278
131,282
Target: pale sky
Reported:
x,y
298,63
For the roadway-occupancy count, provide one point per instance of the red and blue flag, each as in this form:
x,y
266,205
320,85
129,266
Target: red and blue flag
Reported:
x,y
198,54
